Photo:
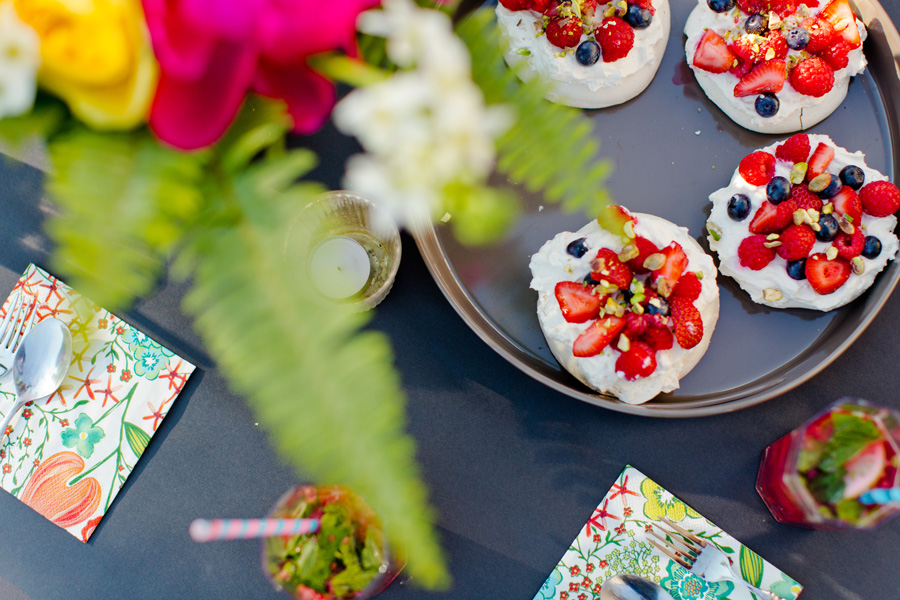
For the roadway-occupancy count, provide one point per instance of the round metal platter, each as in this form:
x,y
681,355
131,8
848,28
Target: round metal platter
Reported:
x,y
671,147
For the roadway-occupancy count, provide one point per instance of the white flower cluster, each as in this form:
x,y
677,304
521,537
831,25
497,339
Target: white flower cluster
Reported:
x,y
20,57
424,127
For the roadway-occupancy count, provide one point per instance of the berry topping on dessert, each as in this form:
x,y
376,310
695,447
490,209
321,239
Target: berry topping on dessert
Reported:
x,y
775,66
813,241
593,53
633,313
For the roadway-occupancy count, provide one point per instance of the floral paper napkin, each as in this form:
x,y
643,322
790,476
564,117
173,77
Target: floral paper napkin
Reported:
x,y
68,455
615,540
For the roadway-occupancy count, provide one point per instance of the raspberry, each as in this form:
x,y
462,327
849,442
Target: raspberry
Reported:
x,y
639,361
812,77
821,32
775,42
659,338
564,32
836,55
616,37
880,198
805,199
753,254
757,168
795,149
850,245
796,242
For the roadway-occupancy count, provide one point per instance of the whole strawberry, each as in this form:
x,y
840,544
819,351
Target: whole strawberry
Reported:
x,y
880,198
616,38
639,361
812,77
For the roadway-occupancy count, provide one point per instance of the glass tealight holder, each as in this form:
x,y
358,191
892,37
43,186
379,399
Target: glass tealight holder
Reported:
x,y
351,247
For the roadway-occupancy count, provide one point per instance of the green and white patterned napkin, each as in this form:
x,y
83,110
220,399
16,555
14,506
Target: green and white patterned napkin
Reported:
x,y
68,455
614,540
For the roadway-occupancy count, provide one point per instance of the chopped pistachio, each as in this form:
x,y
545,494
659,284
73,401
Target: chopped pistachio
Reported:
x,y
663,288
638,298
624,344
524,51
800,216
714,230
654,261
828,208
798,173
858,265
774,244
815,227
774,22
629,230
831,253
771,295
813,215
770,54
846,224
699,275
773,236
820,182
637,309
628,252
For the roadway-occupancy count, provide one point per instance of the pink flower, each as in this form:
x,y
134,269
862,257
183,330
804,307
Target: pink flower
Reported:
x,y
213,52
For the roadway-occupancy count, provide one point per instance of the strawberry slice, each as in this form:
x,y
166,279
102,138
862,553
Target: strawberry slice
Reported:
x,y
841,17
688,324
770,218
819,161
607,267
766,77
825,276
864,469
597,336
577,301
667,275
639,361
847,202
713,54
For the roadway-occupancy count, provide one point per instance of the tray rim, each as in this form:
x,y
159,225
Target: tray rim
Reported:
x,y
438,264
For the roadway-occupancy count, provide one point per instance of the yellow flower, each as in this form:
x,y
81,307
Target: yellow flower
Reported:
x,y
96,56
661,503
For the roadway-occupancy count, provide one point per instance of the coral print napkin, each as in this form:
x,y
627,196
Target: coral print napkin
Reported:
x,y
68,455
615,540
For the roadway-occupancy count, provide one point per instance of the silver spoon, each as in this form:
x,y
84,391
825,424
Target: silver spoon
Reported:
x,y
632,587
40,364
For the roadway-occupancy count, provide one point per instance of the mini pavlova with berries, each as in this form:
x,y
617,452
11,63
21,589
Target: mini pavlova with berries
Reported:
x,y
804,224
627,313
591,53
775,66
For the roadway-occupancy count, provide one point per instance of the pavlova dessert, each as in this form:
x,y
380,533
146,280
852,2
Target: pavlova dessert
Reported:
x,y
592,53
804,223
775,66
627,314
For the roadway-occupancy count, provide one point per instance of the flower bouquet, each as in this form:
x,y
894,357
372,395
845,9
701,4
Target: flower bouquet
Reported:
x,y
170,133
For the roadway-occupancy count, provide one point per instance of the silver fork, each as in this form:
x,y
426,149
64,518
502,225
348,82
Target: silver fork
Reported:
x,y
13,328
700,557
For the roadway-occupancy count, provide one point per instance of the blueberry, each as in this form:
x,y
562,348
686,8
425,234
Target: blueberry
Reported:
x,y
756,24
796,269
662,309
767,104
590,280
828,228
739,207
853,176
797,38
587,53
720,5
577,248
778,190
637,17
872,248
831,190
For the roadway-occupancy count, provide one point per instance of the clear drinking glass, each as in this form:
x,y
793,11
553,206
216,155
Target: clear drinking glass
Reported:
x,y
813,476
351,247
345,559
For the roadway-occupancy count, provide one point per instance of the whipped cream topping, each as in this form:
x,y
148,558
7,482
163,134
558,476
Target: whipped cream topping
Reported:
x,y
794,293
553,264
796,111
602,84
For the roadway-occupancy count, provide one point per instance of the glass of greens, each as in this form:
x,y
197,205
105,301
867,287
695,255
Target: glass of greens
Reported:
x,y
346,558
814,476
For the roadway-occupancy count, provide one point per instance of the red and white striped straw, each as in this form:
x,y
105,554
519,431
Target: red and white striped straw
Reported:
x,y
209,530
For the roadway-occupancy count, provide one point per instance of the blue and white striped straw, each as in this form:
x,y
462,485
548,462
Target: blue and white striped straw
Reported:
x,y
880,496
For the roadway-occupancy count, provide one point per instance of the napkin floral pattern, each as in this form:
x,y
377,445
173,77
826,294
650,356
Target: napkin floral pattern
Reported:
x,y
614,540
68,455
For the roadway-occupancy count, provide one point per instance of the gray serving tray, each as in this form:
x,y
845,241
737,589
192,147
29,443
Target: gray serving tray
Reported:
x,y
671,148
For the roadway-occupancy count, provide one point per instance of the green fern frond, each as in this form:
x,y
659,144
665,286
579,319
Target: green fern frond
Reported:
x,y
551,147
124,201
326,393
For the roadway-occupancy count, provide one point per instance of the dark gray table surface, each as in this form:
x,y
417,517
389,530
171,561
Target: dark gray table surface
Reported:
x,y
514,469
